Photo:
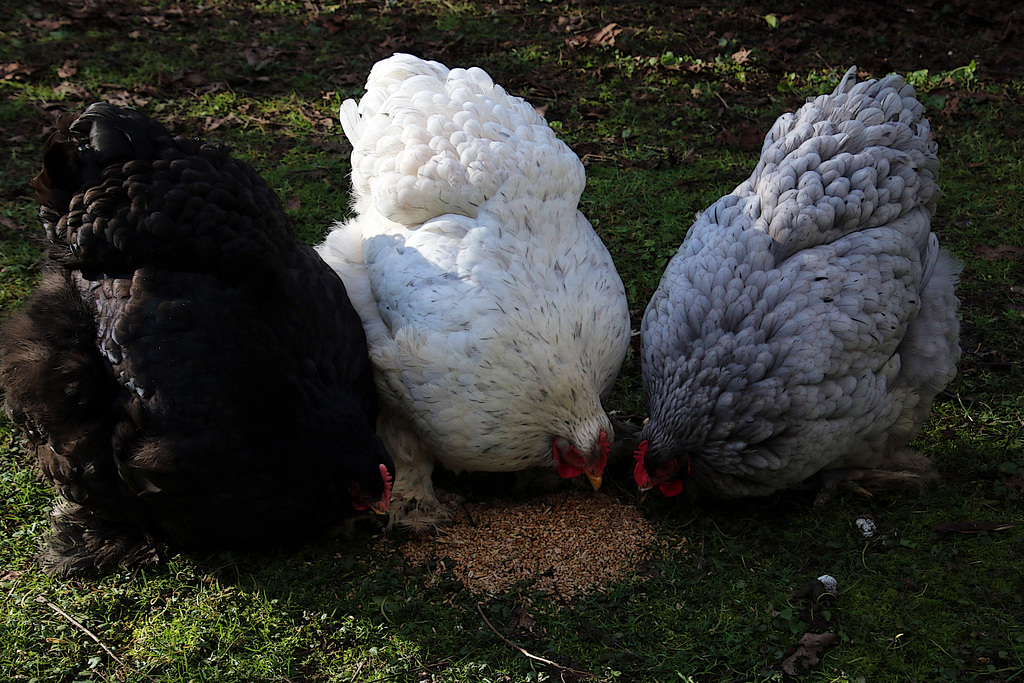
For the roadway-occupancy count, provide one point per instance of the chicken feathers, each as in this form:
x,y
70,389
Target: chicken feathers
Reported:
x,y
494,314
809,319
188,372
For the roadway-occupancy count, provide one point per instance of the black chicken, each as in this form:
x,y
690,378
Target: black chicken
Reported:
x,y
188,372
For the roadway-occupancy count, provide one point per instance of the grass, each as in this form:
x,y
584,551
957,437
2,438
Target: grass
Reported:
x,y
667,114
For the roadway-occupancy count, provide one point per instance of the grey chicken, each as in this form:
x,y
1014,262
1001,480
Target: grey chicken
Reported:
x,y
809,318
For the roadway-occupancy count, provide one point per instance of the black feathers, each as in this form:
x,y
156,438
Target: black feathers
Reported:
x,y
188,371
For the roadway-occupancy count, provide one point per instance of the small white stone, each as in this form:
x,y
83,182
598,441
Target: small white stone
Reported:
x,y
829,582
867,526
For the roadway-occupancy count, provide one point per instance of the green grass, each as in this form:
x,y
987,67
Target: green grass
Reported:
x,y
667,118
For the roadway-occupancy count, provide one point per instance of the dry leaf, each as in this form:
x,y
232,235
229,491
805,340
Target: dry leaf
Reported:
x,y
607,35
194,79
72,91
744,137
12,70
601,36
259,57
397,43
520,620
124,98
1015,482
8,223
68,69
47,24
223,122
1004,252
808,652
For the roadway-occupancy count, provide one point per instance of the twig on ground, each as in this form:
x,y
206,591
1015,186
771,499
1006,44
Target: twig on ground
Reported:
x,y
528,654
43,601
359,668
729,107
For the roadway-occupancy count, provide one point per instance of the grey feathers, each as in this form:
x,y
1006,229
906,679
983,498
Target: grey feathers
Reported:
x,y
776,344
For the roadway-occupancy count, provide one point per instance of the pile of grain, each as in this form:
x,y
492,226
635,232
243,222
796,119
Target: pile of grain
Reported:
x,y
567,543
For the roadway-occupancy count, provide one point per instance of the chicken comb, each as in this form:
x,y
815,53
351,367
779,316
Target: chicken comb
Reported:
x,y
640,476
385,499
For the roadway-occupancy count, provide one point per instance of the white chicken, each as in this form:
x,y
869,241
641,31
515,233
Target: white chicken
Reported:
x,y
495,317
809,318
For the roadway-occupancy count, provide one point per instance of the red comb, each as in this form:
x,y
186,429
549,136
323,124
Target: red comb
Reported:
x,y
640,475
385,500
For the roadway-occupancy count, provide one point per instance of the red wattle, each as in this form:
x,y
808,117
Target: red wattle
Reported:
x,y
640,476
567,471
564,469
671,488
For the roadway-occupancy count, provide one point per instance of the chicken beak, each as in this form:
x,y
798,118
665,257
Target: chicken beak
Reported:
x,y
595,480
641,495
380,509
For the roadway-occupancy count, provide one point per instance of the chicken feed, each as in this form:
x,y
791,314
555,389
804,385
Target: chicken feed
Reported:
x,y
565,544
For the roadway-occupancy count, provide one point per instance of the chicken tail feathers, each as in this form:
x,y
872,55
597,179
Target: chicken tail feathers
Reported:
x,y
117,191
350,121
85,203
429,142
856,158
848,80
75,155
118,134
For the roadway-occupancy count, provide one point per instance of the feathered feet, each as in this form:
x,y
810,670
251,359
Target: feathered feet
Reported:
x,y
902,470
84,544
414,503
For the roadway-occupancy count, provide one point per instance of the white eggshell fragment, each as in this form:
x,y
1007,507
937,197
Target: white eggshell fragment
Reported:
x,y
867,526
829,582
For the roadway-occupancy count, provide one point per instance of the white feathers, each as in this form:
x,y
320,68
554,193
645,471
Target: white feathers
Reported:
x,y
494,314
428,142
